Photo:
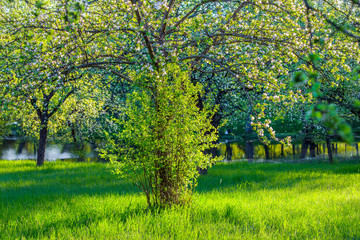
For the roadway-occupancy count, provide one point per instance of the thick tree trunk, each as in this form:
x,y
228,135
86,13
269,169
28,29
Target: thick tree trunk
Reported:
x,y
282,150
329,149
167,192
42,145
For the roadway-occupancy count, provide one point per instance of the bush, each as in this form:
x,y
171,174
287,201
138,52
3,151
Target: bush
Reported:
x,y
162,138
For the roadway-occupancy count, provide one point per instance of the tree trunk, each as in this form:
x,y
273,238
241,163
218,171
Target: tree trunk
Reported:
x,y
42,144
228,152
267,152
312,149
329,149
293,151
282,150
357,149
307,141
78,143
317,149
93,147
66,148
336,149
35,148
249,145
166,186
249,150
21,147
304,148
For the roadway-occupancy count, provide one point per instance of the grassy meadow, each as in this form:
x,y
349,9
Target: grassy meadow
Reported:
x,y
64,200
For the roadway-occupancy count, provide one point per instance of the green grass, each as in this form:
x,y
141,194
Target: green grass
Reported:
x,y
234,201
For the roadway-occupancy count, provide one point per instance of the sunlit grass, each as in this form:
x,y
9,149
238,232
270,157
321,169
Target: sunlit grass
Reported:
x,y
234,201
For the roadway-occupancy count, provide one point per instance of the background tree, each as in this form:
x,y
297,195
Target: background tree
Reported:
x,y
333,56
36,73
79,119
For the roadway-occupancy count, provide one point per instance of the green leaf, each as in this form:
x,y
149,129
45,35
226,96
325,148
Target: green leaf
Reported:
x,y
345,132
320,41
299,77
79,6
39,4
36,13
314,58
357,104
315,89
318,115
313,75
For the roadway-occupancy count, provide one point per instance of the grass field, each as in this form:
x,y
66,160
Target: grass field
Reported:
x,y
234,201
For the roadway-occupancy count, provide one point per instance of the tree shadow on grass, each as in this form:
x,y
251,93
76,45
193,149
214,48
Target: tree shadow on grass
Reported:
x,y
26,192
252,177
79,221
30,186
19,186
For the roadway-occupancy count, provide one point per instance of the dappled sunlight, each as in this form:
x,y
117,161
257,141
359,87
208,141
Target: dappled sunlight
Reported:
x,y
58,180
